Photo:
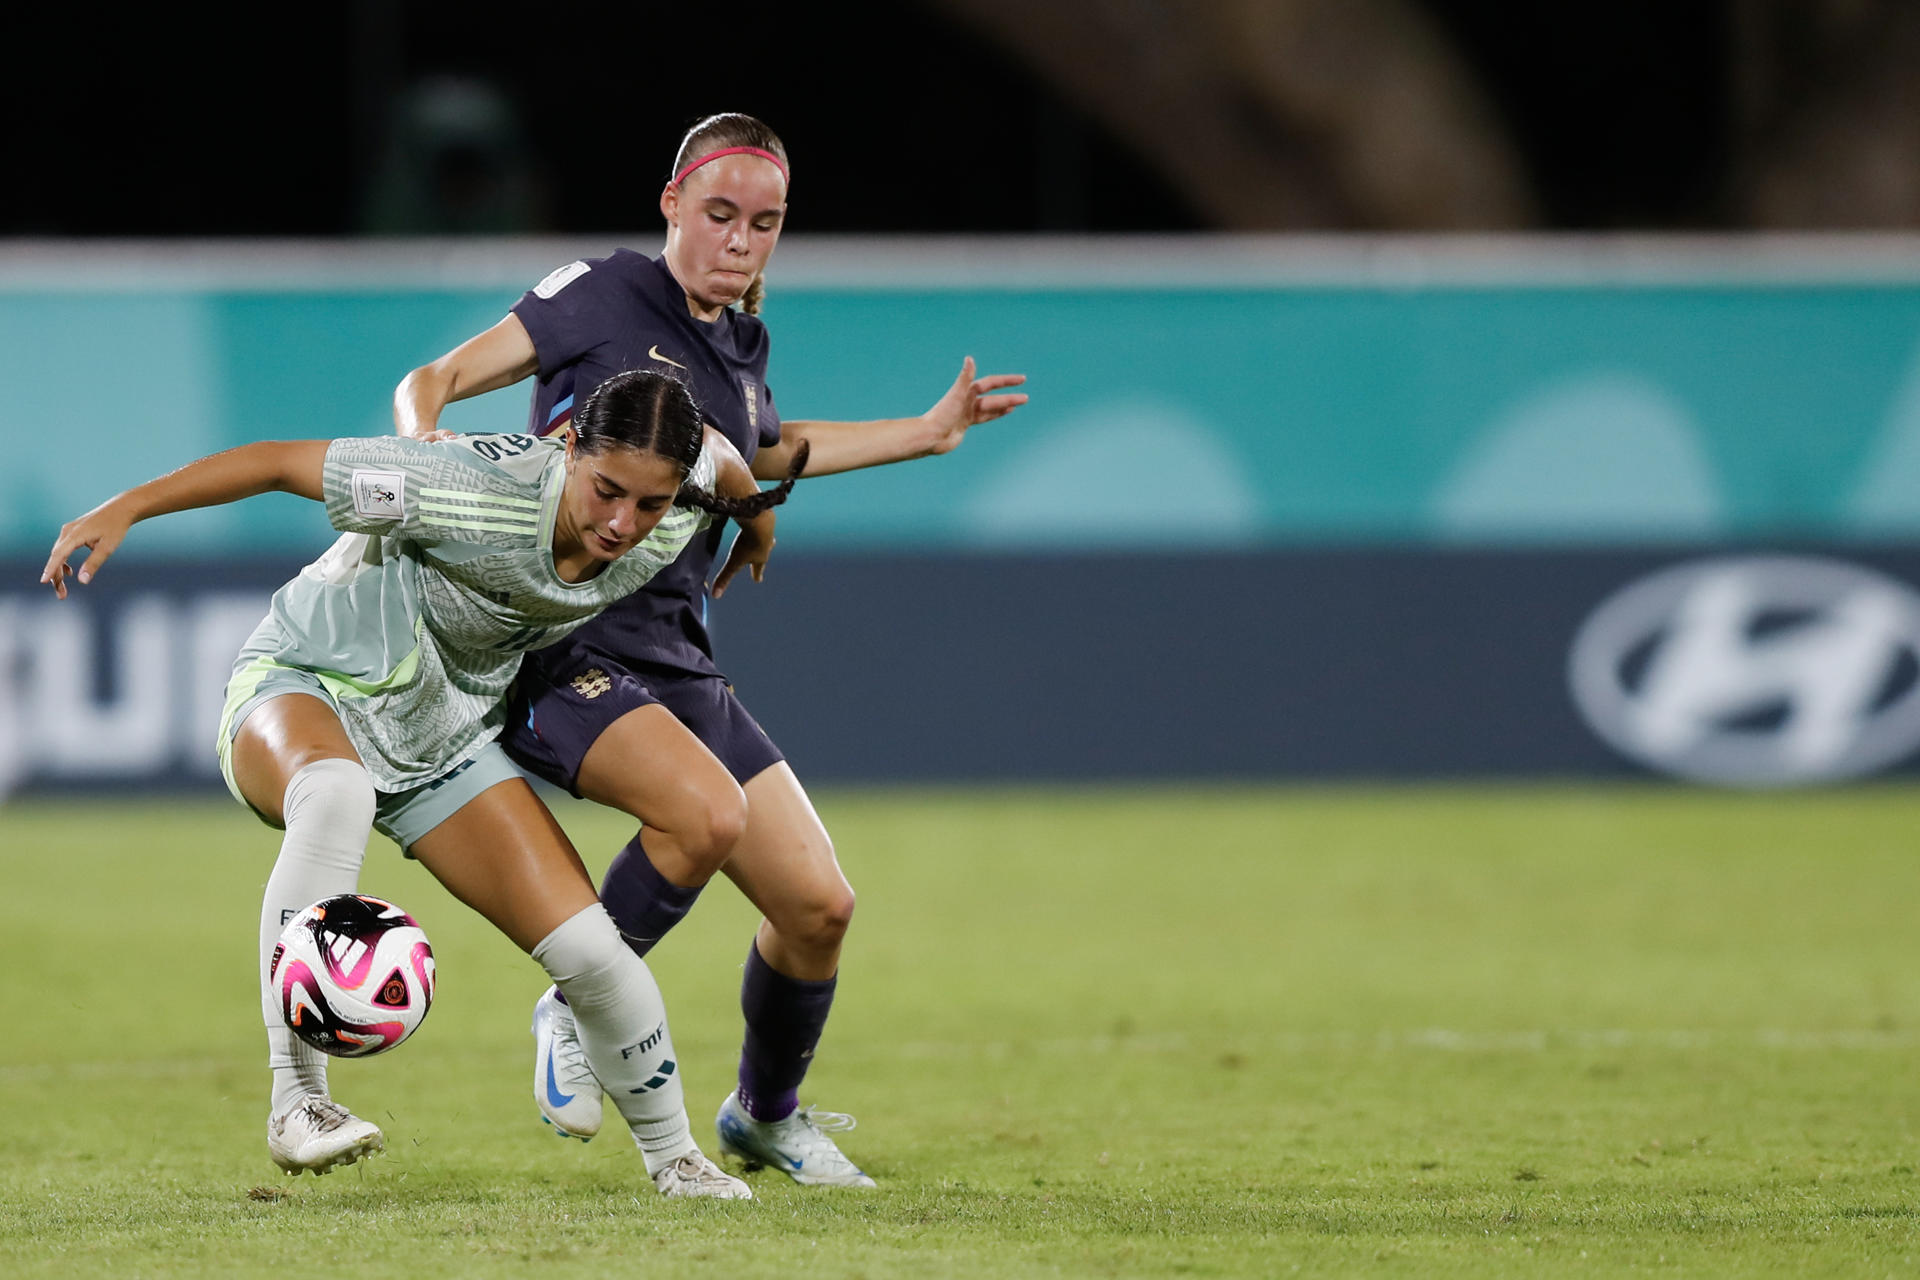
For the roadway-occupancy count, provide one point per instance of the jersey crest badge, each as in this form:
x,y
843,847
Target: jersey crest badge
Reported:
x,y
380,495
753,403
592,682
560,278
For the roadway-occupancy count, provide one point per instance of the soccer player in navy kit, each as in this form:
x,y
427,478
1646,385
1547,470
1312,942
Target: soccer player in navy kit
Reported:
x,y
631,711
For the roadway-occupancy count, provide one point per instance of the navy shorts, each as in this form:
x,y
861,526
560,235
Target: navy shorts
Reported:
x,y
566,697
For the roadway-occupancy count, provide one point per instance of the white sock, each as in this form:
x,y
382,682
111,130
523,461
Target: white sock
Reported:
x,y
329,814
623,1028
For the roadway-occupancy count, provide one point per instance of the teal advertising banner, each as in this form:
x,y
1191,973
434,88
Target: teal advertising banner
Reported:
x,y
1303,509
1212,407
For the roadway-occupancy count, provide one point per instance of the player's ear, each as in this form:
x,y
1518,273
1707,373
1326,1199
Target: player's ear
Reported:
x,y
670,203
572,438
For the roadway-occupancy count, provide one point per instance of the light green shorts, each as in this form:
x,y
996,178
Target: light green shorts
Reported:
x,y
402,816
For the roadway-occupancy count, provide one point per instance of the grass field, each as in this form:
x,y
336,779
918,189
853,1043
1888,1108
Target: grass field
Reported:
x,y
1133,1032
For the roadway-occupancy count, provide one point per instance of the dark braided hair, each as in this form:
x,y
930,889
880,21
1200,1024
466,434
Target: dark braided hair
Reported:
x,y
654,413
716,133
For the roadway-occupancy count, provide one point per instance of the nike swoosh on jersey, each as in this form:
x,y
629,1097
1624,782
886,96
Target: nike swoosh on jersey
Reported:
x,y
653,353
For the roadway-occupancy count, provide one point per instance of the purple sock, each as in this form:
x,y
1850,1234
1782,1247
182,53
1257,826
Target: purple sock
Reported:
x,y
644,903
785,1017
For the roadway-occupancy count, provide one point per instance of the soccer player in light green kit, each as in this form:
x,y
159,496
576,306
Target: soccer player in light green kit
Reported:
x,y
373,692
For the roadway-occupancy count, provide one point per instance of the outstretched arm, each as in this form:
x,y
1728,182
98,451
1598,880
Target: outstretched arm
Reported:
x,y
848,446
495,358
268,466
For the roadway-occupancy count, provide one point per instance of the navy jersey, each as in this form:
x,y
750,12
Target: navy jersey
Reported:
x,y
601,316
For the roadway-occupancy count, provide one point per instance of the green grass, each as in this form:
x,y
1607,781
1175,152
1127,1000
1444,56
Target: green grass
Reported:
x,y
1148,1031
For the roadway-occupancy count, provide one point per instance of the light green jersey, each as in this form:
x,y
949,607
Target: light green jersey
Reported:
x,y
415,620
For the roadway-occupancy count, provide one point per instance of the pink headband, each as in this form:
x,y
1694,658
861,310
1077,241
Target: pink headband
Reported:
x,y
680,177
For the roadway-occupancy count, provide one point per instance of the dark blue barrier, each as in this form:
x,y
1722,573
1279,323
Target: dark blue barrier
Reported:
x,y
1287,664
1725,665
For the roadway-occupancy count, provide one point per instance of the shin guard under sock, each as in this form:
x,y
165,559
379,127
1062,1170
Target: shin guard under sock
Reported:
x,y
328,810
622,1021
785,1017
642,902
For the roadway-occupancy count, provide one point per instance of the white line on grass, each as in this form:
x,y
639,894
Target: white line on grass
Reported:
x,y
1440,1039
1435,1039
26,1071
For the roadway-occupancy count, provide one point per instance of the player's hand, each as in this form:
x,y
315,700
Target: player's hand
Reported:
x,y
969,402
750,551
100,531
434,436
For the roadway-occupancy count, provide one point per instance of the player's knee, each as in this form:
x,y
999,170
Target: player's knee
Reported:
x,y
713,826
821,923
727,819
837,917
331,793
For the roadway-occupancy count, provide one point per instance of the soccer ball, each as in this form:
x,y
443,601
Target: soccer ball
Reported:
x,y
353,975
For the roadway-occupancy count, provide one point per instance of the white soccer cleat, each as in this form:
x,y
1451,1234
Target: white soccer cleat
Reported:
x,y
319,1134
695,1175
798,1146
563,1084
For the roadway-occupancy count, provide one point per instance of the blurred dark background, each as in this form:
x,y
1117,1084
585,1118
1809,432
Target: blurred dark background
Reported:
x,y
423,116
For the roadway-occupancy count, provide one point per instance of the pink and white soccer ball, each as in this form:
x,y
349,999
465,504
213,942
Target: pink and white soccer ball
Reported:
x,y
353,975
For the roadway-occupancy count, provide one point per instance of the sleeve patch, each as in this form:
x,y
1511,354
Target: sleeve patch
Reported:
x,y
380,495
559,279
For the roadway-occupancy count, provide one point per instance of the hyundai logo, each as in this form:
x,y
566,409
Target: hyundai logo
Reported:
x,y
1758,671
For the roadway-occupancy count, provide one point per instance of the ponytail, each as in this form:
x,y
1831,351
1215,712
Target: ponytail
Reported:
x,y
746,508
